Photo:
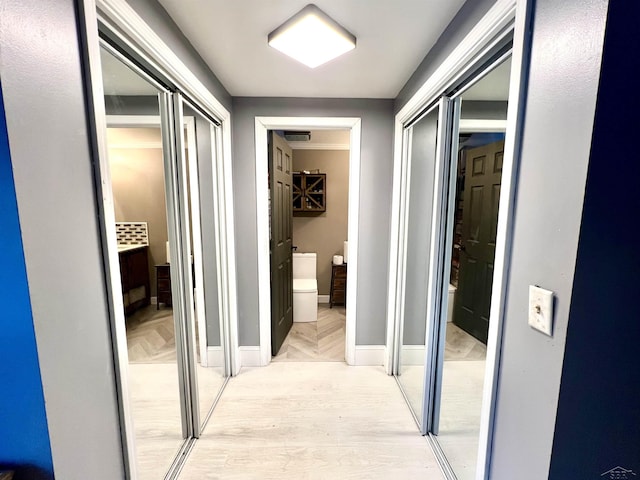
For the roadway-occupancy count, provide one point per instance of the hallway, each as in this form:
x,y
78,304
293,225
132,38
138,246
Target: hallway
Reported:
x,y
313,420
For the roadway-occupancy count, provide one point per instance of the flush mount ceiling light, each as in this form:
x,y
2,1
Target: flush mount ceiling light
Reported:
x,y
312,37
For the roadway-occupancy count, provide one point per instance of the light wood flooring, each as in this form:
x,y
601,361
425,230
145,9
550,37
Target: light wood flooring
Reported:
x,y
155,408
461,398
154,390
308,421
300,420
151,336
321,341
459,345
460,408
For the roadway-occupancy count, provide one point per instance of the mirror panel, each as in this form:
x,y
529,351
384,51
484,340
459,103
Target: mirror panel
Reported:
x,y
200,140
420,179
470,263
137,164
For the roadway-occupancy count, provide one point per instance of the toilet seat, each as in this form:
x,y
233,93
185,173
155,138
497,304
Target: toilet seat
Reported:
x,y
305,285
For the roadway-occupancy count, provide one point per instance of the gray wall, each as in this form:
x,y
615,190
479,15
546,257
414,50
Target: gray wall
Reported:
x,y
419,208
47,124
485,110
209,258
560,107
598,412
131,104
158,19
375,201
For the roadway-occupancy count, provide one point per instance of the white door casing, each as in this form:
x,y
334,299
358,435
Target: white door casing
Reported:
x,y
262,125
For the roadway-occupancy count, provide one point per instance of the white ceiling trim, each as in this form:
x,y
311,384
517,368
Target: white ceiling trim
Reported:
x,y
135,145
318,146
476,125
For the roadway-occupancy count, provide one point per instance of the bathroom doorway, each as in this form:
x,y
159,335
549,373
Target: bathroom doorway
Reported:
x,y
350,145
310,169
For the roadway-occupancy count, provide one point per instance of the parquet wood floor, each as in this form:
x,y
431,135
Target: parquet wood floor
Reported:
x,y
459,345
151,336
321,341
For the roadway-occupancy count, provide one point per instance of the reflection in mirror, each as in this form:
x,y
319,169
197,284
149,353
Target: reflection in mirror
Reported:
x,y
137,169
479,171
200,136
421,171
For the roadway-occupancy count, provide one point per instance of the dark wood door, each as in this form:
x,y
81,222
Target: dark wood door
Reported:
x,y
280,179
481,198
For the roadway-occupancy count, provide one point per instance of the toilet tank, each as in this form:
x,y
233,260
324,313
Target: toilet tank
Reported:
x,y
304,265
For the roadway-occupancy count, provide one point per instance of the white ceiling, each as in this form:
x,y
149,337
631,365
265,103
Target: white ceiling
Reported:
x,y
494,86
118,79
393,36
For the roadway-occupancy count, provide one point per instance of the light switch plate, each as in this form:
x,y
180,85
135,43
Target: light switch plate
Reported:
x,y
541,309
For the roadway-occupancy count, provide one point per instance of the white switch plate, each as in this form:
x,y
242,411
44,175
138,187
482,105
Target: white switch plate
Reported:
x,y
541,309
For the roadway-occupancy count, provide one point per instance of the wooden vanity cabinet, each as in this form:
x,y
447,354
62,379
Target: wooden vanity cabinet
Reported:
x,y
134,273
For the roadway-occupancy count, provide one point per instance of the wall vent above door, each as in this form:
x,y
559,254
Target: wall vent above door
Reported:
x,y
297,136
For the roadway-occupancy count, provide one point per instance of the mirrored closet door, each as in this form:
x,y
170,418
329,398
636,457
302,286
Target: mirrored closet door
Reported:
x,y
160,187
468,251
426,140
453,160
198,139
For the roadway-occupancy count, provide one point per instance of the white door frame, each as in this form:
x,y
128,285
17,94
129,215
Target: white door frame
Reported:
x,y
262,126
503,17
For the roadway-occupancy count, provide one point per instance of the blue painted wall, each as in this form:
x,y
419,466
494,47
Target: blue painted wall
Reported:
x,y
598,420
24,437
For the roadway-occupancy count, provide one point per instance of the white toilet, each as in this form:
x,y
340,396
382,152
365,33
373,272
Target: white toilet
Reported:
x,y
305,288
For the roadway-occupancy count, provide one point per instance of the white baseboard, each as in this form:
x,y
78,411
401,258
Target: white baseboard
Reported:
x,y
412,355
365,355
215,357
370,355
250,356
323,298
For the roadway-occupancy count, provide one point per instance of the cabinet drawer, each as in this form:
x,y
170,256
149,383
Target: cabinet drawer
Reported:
x,y
163,272
164,284
339,283
339,294
338,297
340,272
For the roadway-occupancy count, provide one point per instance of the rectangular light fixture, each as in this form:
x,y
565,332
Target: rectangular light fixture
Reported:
x,y
312,37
